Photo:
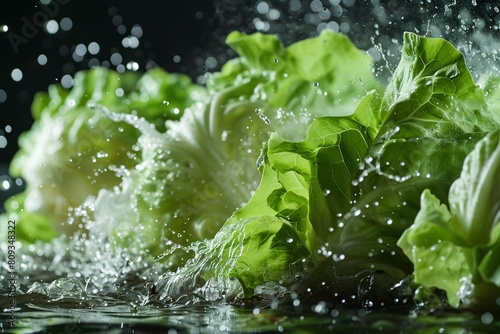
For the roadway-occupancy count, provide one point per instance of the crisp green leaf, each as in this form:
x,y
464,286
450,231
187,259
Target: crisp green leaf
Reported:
x,y
296,84
259,50
450,248
433,114
475,196
265,242
301,183
434,249
30,226
489,267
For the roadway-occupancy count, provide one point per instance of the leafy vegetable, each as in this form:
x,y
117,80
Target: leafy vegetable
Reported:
x,y
289,213
293,86
452,248
193,177
72,151
189,181
433,115
353,186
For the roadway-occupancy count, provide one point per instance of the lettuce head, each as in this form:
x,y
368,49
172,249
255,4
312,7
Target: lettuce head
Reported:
x,y
72,150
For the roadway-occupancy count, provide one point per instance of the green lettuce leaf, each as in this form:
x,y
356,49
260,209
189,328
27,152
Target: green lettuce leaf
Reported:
x,y
264,242
30,226
304,186
433,115
203,168
322,76
353,186
435,250
453,248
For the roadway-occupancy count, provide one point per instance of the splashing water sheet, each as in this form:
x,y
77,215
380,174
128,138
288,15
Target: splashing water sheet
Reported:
x,y
236,166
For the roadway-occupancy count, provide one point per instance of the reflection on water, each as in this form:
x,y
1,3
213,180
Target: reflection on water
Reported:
x,y
67,317
121,312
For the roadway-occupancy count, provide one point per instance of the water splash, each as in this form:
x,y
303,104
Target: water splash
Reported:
x,y
189,279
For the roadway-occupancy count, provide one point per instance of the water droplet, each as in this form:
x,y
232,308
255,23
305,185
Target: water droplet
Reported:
x,y
66,24
262,116
263,7
223,135
52,27
3,142
4,183
487,318
338,258
42,59
320,308
211,62
93,48
132,66
3,96
136,31
116,58
16,74
67,81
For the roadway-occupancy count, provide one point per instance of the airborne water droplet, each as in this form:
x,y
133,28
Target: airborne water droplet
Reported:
x,y
262,116
223,135
338,258
487,318
4,184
